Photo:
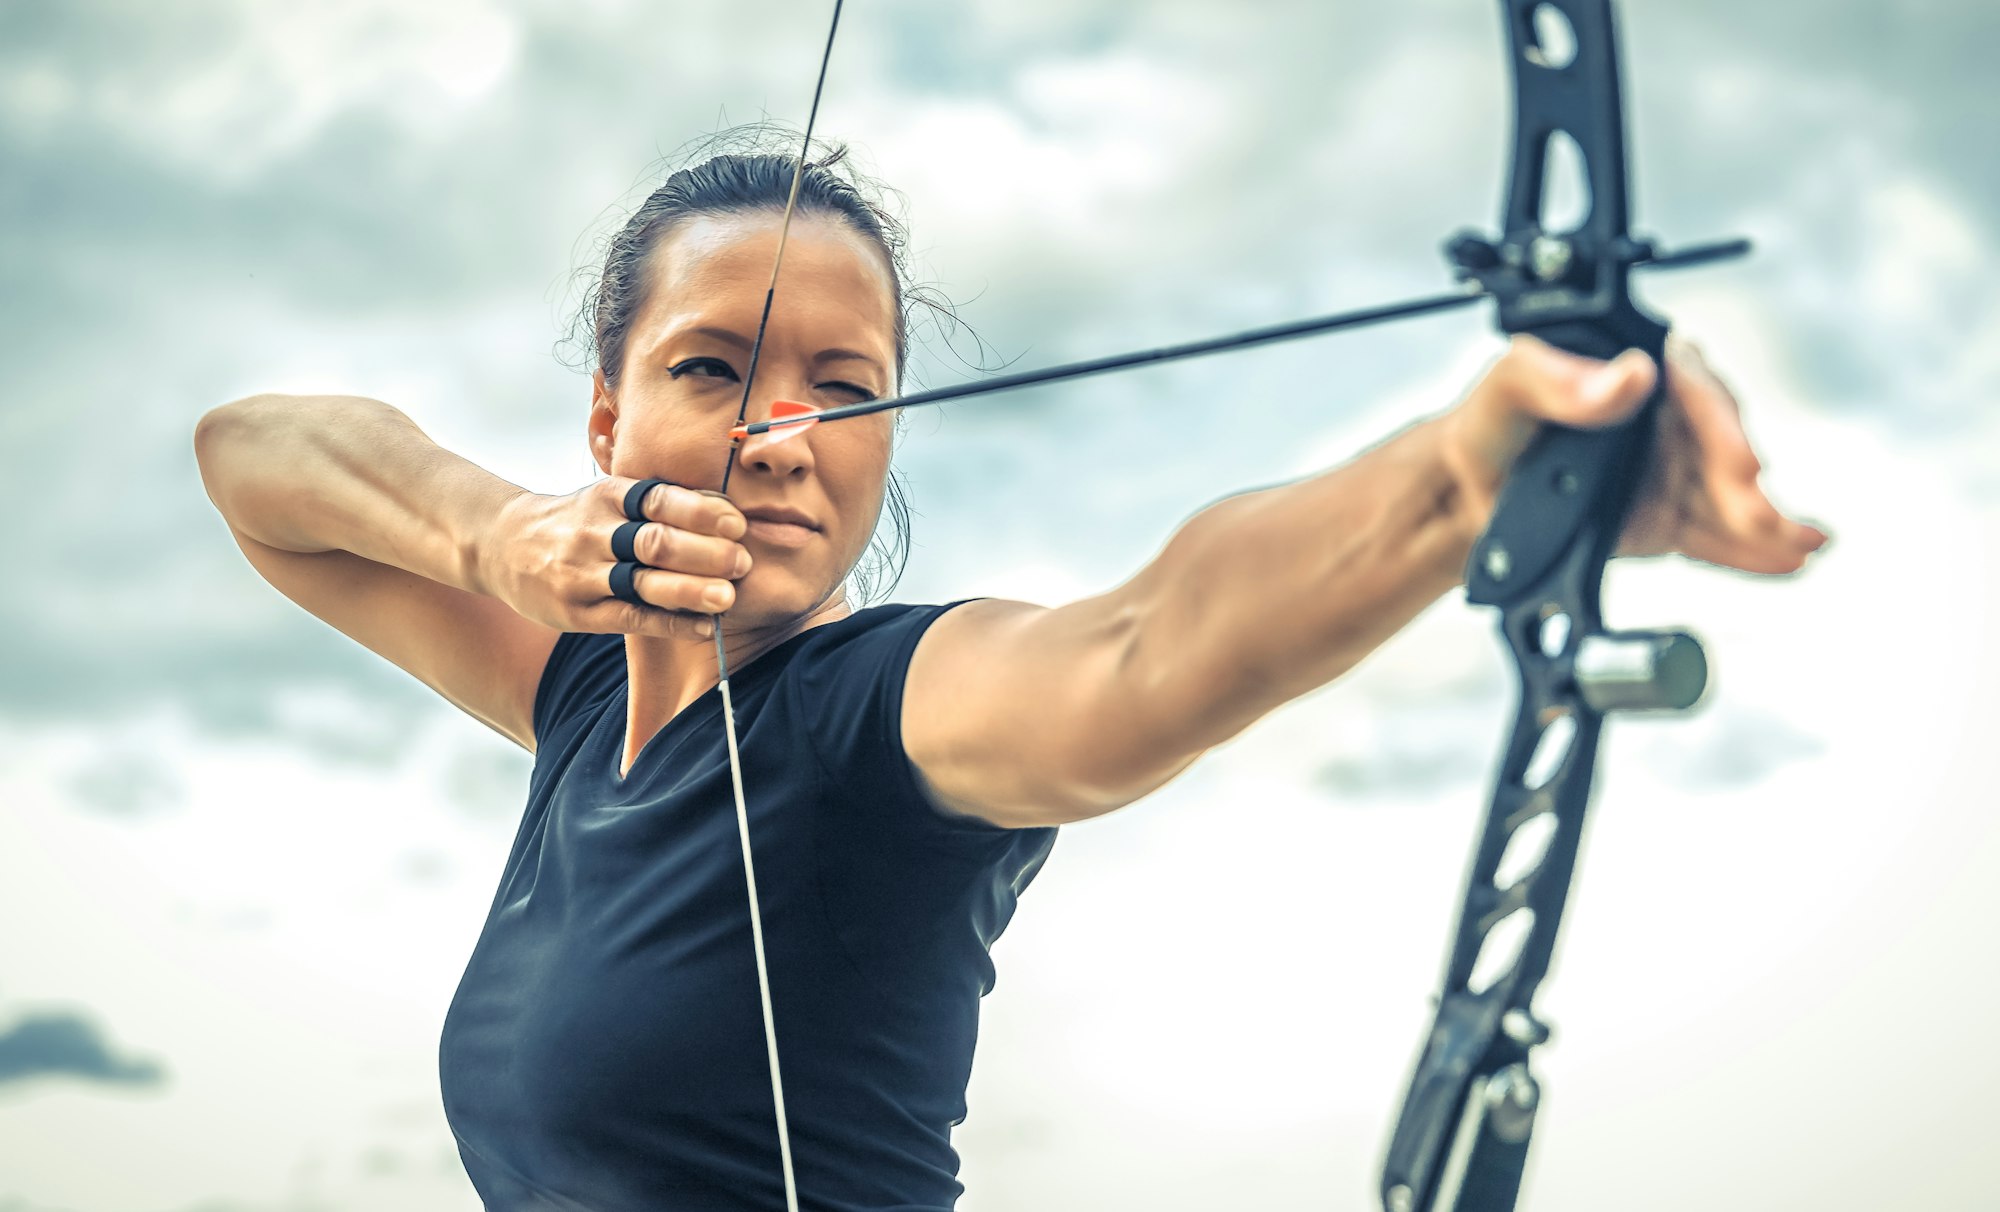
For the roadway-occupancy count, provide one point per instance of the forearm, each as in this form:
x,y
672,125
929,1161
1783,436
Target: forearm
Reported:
x,y
322,473
1266,596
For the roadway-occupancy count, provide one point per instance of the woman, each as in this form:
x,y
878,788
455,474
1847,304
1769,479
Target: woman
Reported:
x,y
905,766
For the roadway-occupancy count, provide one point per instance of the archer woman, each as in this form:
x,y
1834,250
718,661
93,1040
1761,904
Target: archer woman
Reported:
x,y
904,767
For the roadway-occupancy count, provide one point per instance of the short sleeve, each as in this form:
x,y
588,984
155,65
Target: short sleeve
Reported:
x,y
852,702
581,668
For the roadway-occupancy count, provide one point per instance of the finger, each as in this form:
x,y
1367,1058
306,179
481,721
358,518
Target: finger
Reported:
x,y
628,619
668,547
1782,551
1728,497
1711,416
701,510
670,590
1742,528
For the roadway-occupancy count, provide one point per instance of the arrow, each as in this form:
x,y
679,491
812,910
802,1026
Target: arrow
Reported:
x,y
794,418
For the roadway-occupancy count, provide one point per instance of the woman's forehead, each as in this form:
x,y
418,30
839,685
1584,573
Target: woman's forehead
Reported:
x,y
724,262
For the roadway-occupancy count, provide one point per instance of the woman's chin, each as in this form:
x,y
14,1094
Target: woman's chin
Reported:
x,y
770,599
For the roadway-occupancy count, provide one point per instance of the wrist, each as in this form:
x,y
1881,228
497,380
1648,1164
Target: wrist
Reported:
x,y
483,562
1460,505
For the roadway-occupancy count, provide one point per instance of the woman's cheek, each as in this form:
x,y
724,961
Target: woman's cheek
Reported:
x,y
863,514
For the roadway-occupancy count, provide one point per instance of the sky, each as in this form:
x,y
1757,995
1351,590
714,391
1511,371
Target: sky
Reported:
x,y
243,860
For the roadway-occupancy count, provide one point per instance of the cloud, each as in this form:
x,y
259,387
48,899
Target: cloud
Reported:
x,y
224,196
228,197
129,784
69,1044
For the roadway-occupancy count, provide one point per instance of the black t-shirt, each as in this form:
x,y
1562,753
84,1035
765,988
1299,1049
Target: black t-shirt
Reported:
x,y
605,1049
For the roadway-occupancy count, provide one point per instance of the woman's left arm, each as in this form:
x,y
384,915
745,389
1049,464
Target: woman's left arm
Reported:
x,y
1023,715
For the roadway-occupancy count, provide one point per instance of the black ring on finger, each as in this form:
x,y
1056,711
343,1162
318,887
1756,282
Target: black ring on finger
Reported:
x,y
621,582
637,494
623,541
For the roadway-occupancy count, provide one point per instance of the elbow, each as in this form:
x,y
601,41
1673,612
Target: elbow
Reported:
x,y
220,420
219,438
226,423
207,432
210,432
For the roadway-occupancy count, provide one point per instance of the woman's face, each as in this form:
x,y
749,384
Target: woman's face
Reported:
x,y
831,341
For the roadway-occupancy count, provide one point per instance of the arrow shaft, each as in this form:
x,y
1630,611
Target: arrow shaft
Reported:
x,y
1249,338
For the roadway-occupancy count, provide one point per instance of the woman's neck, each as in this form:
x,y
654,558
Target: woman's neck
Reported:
x,y
666,674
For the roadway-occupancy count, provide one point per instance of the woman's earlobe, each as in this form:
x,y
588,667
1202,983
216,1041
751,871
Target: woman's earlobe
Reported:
x,y
603,424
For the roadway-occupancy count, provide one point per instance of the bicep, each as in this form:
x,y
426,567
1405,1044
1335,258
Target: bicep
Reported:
x,y
474,650
1027,716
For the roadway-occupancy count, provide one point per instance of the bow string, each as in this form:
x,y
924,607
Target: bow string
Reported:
x,y
722,654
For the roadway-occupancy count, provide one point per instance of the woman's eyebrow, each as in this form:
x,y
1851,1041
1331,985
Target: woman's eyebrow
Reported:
x,y
728,336
845,355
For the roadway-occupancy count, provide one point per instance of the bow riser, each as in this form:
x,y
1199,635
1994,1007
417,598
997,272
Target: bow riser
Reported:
x,y
1462,1137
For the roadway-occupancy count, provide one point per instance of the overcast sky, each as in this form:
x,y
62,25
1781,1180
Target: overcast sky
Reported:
x,y
243,860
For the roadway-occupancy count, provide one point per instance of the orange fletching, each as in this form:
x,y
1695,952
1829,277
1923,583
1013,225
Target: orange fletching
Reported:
x,y
788,419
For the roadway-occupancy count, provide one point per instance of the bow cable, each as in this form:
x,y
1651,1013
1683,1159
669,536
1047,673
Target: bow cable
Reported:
x,y
722,656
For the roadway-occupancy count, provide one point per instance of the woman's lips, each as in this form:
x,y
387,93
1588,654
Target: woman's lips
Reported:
x,y
780,534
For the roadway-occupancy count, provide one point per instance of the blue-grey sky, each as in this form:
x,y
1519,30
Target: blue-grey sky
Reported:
x,y
242,860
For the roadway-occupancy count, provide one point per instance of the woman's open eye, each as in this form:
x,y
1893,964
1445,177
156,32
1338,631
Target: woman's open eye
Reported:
x,y
704,368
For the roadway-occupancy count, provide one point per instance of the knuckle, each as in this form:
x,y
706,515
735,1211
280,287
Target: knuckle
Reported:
x,y
665,546
630,618
641,586
662,501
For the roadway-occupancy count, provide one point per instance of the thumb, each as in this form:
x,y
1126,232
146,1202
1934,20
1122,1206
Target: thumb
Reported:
x,y
1532,383
1550,384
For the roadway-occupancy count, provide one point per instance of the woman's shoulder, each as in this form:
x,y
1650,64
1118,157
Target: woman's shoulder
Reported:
x,y
878,623
880,639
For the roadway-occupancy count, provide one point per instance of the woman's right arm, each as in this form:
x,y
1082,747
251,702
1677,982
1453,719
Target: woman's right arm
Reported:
x,y
458,577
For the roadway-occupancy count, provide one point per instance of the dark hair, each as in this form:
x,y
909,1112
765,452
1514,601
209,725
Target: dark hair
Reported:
x,y
716,180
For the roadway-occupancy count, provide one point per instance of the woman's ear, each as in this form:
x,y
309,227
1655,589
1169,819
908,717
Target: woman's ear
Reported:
x,y
603,424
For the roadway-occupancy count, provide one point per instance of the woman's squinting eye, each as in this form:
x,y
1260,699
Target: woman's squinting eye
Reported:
x,y
704,368
716,368
861,393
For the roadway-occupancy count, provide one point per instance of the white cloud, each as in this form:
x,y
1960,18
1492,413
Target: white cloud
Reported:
x,y
1215,996
277,73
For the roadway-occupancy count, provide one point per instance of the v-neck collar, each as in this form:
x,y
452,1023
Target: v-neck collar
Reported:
x,y
740,676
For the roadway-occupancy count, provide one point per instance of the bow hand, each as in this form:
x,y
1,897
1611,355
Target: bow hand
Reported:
x,y
1699,496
